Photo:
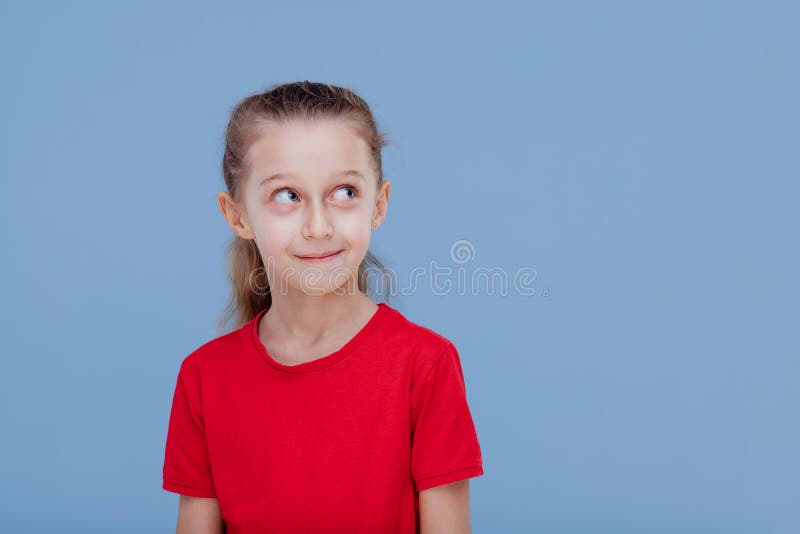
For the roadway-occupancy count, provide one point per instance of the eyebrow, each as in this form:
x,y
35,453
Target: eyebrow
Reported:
x,y
287,175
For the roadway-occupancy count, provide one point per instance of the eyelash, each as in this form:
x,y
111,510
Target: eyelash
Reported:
x,y
354,188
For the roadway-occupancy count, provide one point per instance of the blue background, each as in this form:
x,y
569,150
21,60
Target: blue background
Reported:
x,y
641,157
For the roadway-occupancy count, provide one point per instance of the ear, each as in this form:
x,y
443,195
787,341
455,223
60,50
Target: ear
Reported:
x,y
234,216
381,204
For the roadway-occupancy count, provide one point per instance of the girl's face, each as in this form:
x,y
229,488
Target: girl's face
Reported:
x,y
310,191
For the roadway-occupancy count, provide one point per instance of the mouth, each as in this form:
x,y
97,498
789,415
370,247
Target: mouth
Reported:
x,y
322,257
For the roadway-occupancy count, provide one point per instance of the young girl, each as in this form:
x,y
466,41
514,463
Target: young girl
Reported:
x,y
321,411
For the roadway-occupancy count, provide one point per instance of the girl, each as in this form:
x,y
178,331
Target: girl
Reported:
x,y
321,411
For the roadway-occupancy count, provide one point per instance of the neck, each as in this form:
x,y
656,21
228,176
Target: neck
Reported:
x,y
307,319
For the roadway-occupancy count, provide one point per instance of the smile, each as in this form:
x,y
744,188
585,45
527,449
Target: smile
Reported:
x,y
320,259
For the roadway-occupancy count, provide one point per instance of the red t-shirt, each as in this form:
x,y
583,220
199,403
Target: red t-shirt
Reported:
x,y
342,443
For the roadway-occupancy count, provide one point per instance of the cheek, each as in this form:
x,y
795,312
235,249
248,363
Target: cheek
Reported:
x,y
272,235
357,229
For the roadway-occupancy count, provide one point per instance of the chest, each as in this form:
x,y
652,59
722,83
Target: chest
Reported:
x,y
343,433
361,403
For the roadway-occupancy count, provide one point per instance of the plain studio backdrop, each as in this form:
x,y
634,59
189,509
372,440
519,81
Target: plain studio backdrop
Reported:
x,y
636,162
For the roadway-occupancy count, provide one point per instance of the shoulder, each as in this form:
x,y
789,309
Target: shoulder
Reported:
x,y
423,345
210,354
413,334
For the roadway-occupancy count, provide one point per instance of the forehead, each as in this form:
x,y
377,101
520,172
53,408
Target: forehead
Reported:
x,y
308,149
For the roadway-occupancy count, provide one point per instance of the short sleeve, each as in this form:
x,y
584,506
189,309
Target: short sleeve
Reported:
x,y
187,469
444,443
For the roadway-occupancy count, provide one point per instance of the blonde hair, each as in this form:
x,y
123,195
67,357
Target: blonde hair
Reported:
x,y
280,104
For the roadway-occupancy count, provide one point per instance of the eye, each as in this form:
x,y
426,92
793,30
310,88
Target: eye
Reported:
x,y
285,189
292,195
350,187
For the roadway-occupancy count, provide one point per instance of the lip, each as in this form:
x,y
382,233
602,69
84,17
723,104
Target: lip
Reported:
x,y
321,258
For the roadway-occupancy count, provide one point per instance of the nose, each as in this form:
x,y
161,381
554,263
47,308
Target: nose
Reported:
x,y
317,224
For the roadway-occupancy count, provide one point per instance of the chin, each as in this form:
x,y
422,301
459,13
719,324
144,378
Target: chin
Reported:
x,y
321,280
